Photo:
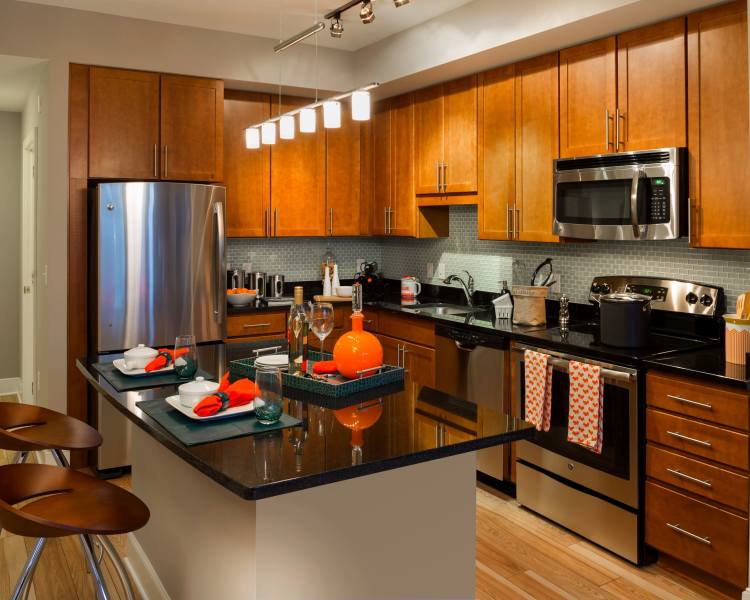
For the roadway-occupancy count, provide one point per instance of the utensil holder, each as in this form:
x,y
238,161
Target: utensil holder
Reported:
x,y
736,339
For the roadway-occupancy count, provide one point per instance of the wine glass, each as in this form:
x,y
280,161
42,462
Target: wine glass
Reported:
x,y
321,321
185,356
268,402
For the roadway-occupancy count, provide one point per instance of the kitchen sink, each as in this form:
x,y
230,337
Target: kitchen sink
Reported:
x,y
441,309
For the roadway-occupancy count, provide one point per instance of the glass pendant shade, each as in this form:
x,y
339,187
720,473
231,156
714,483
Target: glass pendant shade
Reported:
x,y
307,118
268,133
361,106
332,114
286,127
252,138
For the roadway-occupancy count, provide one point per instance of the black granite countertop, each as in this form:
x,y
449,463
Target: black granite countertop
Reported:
x,y
708,363
320,451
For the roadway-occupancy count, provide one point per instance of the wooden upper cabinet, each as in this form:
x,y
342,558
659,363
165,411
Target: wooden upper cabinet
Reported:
x,y
343,189
192,128
247,173
498,135
537,145
718,126
446,132
123,124
380,167
298,176
651,86
588,98
403,218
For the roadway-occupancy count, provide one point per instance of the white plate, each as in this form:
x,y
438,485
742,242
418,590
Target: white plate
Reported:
x,y
174,402
273,360
119,364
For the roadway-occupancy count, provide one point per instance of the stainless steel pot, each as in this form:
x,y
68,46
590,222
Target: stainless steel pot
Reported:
x,y
625,319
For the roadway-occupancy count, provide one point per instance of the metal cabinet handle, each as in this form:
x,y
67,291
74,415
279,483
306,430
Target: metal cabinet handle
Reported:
x,y
691,402
390,221
618,117
156,161
330,220
266,233
445,177
367,321
507,222
692,440
704,482
516,221
437,175
607,117
403,353
275,222
253,325
166,161
219,221
692,536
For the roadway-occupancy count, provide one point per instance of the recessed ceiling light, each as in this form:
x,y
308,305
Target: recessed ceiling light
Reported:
x,y
366,13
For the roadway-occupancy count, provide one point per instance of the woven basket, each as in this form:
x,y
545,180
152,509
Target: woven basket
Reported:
x,y
528,305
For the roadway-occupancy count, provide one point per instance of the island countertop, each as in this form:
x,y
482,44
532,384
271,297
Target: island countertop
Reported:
x,y
320,451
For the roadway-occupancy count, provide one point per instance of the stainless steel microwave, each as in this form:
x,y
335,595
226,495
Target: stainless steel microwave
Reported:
x,y
623,196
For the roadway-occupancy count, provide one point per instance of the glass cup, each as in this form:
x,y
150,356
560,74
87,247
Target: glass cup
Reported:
x,y
321,320
268,402
186,356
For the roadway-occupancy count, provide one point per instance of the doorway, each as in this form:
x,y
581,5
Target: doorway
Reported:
x,y
28,268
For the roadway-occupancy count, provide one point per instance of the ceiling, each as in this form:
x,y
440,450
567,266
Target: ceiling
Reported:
x,y
265,18
17,78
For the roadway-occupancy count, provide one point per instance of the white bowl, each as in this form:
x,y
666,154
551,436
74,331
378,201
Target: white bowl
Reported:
x,y
139,357
193,392
345,291
240,299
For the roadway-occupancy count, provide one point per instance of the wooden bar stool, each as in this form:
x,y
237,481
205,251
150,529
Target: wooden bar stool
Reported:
x,y
62,502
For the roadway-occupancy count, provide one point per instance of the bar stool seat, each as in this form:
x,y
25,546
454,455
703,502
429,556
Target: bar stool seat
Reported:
x,y
25,428
65,502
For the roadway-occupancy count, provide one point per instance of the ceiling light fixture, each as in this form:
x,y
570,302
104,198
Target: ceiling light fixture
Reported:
x,y
399,3
301,36
252,138
286,127
366,13
361,105
268,133
307,119
337,27
332,114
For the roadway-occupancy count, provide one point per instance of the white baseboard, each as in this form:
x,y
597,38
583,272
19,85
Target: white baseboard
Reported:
x,y
142,572
12,385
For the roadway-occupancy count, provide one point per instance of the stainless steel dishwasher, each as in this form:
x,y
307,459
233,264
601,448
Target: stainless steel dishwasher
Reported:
x,y
471,366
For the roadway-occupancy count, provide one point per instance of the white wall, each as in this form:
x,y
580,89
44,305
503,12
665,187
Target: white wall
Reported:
x,y
10,245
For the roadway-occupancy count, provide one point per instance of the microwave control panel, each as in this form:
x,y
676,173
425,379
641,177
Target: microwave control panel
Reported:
x,y
658,200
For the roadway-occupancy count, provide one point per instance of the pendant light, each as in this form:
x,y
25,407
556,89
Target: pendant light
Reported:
x,y
332,114
268,133
286,127
252,138
361,105
307,119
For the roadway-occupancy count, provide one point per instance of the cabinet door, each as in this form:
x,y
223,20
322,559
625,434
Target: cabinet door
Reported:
x,y
460,127
499,140
298,184
343,179
419,362
247,173
381,167
403,219
537,145
651,86
428,139
123,124
192,128
427,432
453,435
391,350
588,98
718,127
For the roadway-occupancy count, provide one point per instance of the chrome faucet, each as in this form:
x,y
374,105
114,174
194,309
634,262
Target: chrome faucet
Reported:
x,y
468,285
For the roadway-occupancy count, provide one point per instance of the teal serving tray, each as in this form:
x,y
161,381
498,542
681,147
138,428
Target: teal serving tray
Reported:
x,y
389,374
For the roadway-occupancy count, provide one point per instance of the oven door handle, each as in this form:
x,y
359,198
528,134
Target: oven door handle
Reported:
x,y
465,347
563,365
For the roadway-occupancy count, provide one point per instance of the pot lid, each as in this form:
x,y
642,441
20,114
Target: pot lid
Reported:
x,y
141,351
626,297
198,386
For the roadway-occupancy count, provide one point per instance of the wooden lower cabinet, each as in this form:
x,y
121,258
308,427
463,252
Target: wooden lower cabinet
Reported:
x,y
418,361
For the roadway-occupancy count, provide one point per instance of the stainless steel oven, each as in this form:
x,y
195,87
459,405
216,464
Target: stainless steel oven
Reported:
x,y
596,495
622,196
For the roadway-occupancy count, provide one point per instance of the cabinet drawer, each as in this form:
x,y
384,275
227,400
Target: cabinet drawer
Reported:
x,y
412,329
695,398
698,477
256,324
694,437
697,533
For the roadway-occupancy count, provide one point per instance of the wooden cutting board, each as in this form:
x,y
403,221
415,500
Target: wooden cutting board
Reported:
x,y
333,299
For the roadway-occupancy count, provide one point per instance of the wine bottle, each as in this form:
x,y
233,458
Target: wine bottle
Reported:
x,y
297,329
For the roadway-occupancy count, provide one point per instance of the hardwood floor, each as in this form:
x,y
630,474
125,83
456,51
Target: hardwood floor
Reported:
x,y
519,556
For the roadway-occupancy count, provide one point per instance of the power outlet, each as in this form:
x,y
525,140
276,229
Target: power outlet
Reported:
x,y
440,271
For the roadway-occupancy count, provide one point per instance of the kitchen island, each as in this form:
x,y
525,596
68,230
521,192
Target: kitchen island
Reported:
x,y
328,509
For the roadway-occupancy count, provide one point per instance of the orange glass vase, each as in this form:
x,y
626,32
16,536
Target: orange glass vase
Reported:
x,y
357,350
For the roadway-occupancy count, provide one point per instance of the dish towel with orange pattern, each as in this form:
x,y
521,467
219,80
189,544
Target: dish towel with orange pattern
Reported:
x,y
538,386
586,406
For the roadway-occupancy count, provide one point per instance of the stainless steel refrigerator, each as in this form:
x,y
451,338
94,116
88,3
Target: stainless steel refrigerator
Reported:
x,y
160,273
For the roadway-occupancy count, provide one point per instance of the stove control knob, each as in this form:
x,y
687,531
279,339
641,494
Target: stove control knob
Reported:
x,y
605,289
596,288
706,300
691,298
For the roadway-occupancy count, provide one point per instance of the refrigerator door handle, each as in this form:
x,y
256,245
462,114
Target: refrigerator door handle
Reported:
x,y
219,217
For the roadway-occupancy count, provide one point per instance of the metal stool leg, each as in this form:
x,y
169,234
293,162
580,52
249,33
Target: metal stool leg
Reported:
x,y
24,581
100,586
20,457
60,458
122,572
